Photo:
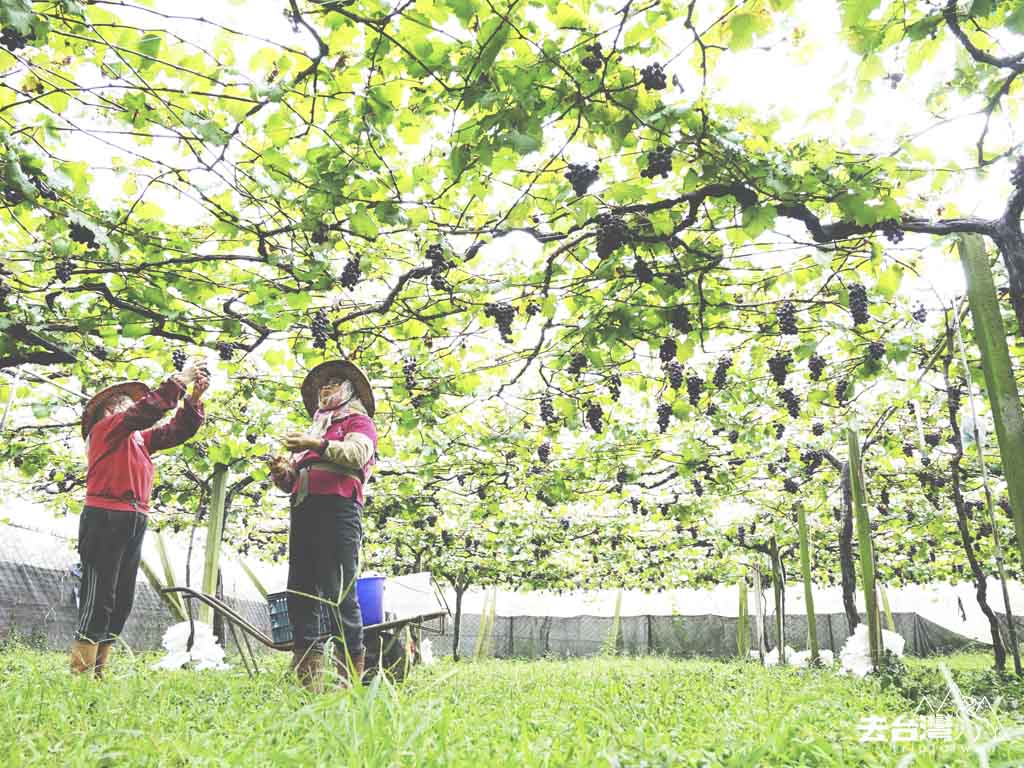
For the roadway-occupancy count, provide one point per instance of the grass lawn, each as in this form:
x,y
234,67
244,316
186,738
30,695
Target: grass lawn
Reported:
x,y
585,712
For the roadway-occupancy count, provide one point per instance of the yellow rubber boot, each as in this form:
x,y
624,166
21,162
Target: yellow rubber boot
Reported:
x,y
102,658
83,657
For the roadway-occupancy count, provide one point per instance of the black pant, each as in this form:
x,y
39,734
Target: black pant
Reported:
x,y
110,545
323,558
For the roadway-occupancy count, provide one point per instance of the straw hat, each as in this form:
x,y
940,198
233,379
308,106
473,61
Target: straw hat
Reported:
x,y
336,369
136,390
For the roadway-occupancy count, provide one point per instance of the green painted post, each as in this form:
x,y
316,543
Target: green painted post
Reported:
x,y
867,565
1003,397
805,569
214,535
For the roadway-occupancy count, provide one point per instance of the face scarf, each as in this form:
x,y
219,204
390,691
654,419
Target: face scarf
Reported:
x,y
342,403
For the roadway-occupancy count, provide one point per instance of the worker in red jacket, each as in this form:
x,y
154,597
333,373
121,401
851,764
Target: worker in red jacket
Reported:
x,y
118,427
325,475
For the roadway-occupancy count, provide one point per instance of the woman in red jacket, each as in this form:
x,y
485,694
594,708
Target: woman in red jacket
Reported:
x,y
118,427
325,477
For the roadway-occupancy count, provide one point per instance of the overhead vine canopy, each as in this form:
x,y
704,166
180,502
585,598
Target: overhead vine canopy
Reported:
x,y
573,272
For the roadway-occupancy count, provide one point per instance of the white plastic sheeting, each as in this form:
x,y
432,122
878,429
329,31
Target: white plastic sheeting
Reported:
x,y
205,653
855,657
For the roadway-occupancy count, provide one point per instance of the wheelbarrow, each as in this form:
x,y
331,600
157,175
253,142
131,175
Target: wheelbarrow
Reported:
x,y
392,646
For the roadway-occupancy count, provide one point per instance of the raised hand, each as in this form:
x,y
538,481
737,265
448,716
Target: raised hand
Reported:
x,y
199,386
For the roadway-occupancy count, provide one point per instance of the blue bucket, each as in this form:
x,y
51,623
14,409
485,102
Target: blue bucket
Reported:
x,y
370,593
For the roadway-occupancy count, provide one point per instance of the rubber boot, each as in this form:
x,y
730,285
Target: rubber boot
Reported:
x,y
102,658
310,670
83,657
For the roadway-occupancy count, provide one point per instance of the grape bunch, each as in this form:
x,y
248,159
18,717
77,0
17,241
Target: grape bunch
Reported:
x,y
721,371
817,429
653,77
812,460
178,359
435,254
843,391
64,269
778,364
675,374
82,234
615,386
920,314
741,535
816,364
438,281
547,410
581,176
734,435
612,232
5,291
321,329
892,231
502,313
642,271
576,364
532,309
789,397
698,489
785,313
226,350
876,350
680,319
664,416
594,416
667,351
780,430
790,485
12,39
544,451
932,438
593,62
694,386
409,371
859,303
659,163
351,273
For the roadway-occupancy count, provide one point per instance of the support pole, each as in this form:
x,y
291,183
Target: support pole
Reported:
x,y
743,623
867,565
1000,384
214,535
805,569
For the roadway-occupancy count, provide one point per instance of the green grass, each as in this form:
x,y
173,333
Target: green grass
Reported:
x,y
587,712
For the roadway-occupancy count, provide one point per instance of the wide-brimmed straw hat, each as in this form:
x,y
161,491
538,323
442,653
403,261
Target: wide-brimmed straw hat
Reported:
x,y
136,390
337,369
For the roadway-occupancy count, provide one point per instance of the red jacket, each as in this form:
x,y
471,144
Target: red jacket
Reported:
x,y
120,475
327,483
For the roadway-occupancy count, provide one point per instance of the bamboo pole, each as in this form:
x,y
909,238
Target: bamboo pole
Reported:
x,y
759,611
169,580
214,534
743,623
805,569
867,565
997,538
1000,384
